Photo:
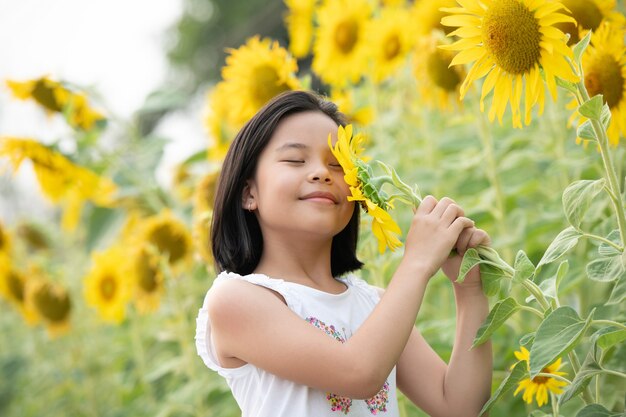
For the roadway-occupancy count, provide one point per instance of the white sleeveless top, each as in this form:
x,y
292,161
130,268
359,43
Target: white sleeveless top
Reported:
x,y
262,394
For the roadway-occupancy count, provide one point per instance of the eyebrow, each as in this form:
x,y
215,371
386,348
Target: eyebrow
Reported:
x,y
291,145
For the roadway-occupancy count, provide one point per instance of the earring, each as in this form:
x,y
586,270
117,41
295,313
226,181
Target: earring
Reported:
x,y
250,207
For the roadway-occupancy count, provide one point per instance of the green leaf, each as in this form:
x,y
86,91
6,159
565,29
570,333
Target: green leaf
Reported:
x,y
557,335
490,277
565,241
470,260
524,268
597,410
527,340
610,339
608,250
200,156
586,131
606,115
588,370
518,373
568,85
577,198
560,274
605,269
580,47
592,108
500,312
619,291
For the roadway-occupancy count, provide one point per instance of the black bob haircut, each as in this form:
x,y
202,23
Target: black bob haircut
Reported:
x,y
236,239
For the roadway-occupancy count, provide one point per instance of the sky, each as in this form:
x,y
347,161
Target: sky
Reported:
x,y
116,47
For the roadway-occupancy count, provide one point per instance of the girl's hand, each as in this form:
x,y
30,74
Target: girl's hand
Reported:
x,y
469,238
436,229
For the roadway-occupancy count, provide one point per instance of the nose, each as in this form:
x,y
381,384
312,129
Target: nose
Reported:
x,y
320,174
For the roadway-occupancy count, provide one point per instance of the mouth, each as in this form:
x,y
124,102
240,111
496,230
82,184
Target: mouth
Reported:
x,y
321,197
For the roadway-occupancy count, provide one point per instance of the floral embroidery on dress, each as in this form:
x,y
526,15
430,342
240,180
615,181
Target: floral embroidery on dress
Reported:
x,y
343,404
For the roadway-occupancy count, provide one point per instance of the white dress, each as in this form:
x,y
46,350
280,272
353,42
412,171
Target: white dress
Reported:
x,y
262,394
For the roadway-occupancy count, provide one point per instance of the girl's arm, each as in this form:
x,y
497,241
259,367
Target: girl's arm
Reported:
x,y
463,386
252,324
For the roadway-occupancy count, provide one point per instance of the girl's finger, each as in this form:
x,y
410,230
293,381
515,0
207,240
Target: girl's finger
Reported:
x,y
427,205
479,237
452,212
442,206
464,239
460,223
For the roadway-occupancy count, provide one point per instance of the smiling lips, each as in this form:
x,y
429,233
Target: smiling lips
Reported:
x,y
321,196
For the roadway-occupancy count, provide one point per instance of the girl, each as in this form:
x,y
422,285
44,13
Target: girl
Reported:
x,y
292,333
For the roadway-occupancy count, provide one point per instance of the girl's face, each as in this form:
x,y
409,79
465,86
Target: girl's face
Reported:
x,y
298,185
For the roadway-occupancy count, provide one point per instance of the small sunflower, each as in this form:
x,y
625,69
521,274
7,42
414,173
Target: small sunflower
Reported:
x,y
299,22
511,42
5,240
34,237
439,83
149,283
168,235
51,302
389,40
203,213
604,68
107,286
254,74
340,50
589,14
428,14
13,285
347,150
55,97
539,386
347,104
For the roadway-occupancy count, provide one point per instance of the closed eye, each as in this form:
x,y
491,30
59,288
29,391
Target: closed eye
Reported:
x,y
293,161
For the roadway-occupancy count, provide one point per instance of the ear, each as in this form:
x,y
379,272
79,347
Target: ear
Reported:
x,y
248,199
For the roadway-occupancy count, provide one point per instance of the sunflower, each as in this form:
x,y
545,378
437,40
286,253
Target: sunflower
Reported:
x,y
167,234
203,213
437,81
346,103
254,74
5,240
33,236
51,302
588,15
512,41
604,68
347,150
148,280
340,50
389,40
216,121
13,284
61,180
54,97
107,287
539,385
428,14
299,22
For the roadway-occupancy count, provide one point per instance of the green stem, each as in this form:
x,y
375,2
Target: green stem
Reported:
x,y
535,291
555,405
604,240
553,376
616,373
532,310
575,363
608,323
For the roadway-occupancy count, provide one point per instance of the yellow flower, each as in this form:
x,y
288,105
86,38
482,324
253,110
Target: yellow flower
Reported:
x,y
107,285
539,386
202,215
340,50
5,240
299,22
254,74
427,15
346,103
347,150
61,180
588,15
33,236
390,41
220,129
511,40
604,68
167,234
147,278
51,302
54,97
439,83
13,285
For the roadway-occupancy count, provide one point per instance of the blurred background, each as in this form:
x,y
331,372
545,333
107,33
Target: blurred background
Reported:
x,y
114,120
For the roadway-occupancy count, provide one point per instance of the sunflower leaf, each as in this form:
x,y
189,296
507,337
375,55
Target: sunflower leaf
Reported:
x,y
606,269
569,86
556,336
606,115
577,198
500,312
619,291
564,241
580,47
592,108
524,268
588,370
585,131
518,373
597,410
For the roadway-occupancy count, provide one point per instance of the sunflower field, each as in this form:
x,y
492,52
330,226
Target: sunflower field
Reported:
x,y
516,109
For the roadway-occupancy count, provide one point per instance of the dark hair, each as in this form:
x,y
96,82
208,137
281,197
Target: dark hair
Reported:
x,y
236,239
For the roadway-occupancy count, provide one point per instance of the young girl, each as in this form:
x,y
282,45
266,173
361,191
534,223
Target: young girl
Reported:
x,y
292,332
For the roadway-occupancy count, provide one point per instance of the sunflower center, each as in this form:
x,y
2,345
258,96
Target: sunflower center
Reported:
x,y
346,35
587,15
53,305
604,77
108,287
392,47
168,241
2,240
511,34
437,66
266,84
15,284
44,94
146,273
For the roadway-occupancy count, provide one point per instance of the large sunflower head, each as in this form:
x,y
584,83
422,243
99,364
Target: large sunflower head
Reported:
x,y
604,67
539,386
389,40
254,74
438,82
218,121
510,42
51,302
588,14
107,285
340,50
149,283
299,22
358,176
168,235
